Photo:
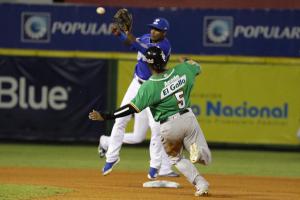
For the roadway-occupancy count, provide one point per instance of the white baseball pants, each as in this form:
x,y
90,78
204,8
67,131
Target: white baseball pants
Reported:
x,y
182,131
143,120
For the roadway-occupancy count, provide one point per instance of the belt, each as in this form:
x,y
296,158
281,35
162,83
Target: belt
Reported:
x,y
140,81
181,112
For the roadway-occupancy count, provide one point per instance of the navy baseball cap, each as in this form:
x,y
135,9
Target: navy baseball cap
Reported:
x,y
160,24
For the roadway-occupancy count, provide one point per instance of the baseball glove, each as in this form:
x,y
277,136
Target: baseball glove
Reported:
x,y
123,20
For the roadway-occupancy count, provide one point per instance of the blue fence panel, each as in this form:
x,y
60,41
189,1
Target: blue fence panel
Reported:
x,y
210,32
50,98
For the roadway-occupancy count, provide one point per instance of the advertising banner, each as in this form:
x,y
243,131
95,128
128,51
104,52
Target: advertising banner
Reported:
x,y
201,32
250,103
246,103
49,98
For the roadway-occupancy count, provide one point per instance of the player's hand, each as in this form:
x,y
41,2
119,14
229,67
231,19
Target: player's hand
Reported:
x,y
183,59
95,116
115,30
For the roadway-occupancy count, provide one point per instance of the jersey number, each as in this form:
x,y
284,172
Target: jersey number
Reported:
x,y
180,99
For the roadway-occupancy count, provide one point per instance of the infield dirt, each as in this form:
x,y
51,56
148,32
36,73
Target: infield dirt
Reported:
x,y
87,184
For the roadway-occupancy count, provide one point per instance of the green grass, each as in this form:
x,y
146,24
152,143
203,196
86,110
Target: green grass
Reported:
x,y
258,163
24,192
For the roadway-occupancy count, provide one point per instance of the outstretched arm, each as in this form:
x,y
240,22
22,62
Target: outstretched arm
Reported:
x,y
130,40
122,36
192,65
123,111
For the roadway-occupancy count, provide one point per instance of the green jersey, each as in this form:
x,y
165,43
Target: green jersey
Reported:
x,y
169,92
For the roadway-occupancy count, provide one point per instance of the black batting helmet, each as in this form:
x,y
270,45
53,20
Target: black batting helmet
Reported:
x,y
156,58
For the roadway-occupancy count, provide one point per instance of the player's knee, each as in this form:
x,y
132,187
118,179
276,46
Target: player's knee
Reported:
x,y
138,139
138,136
206,157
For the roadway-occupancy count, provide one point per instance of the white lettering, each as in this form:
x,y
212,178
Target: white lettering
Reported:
x,y
22,95
76,27
249,31
14,94
32,95
57,98
285,33
237,31
8,92
56,26
104,30
295,32
260,29
172,86
84,28
67,28
267,32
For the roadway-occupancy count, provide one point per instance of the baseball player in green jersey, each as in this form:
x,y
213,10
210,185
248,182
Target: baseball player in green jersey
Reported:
x,y
167,93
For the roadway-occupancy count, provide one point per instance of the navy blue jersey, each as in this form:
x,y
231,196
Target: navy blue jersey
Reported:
x,y
143,43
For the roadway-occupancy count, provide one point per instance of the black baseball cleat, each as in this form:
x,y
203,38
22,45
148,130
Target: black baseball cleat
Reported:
x,y
101,150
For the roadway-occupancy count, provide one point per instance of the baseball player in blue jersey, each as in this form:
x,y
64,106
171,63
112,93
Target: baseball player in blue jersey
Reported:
x,y
110,146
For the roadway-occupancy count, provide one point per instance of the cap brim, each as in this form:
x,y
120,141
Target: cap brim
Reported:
x,y
156,27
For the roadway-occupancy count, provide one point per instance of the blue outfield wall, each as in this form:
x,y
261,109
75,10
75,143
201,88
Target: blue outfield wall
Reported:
x,y
206,32
49,98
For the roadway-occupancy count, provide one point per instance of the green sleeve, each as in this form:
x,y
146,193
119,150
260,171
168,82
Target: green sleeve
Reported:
x,y
143,98
193,66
